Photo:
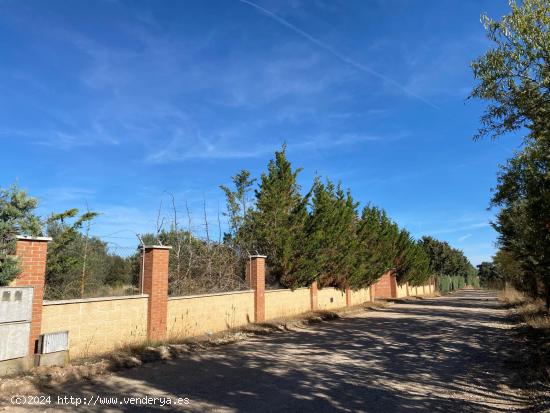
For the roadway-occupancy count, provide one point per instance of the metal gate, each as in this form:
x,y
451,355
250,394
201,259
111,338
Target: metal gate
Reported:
x,y
15,321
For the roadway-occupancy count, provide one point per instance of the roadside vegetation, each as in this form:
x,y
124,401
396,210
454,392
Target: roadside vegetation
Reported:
x,y
534,329
514,78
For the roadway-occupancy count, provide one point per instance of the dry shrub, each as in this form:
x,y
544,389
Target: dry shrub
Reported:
x,y
534,313
535,330
511,296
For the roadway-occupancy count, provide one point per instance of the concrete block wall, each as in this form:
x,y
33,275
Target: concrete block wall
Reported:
x,y
360,296
386,287
98,325
286,303
330,298
402,290
193,316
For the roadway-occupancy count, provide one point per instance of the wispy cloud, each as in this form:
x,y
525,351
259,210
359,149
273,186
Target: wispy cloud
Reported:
x,y
451,230
464,237
342,57
64,194
179,150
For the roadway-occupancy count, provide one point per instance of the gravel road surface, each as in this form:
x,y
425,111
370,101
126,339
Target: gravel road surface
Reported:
x,y
448,354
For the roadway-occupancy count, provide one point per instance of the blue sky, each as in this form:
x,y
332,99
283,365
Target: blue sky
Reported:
x,y
112,103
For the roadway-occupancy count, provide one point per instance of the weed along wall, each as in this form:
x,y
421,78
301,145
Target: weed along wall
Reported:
x,y
209,313
97,325
100,325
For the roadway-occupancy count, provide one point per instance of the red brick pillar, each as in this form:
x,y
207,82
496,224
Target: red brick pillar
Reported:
x,y
32,252
393,285
255,278
348,297
313,296
155,284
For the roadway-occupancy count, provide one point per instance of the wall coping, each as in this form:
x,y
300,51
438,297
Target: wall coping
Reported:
x,y
16,287
282,290
29,238
257,256
94,299
155,247
185,297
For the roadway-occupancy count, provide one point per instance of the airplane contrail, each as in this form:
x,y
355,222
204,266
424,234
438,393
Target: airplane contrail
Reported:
x,y
336,53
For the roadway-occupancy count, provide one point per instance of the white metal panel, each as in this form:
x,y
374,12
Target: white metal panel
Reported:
x,y
15,304
14,340
52,342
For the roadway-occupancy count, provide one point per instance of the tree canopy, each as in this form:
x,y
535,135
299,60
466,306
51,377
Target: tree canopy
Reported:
x,y
514,73
320,236
514,77
17,217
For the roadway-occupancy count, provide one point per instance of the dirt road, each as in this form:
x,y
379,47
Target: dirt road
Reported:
x,y
447,354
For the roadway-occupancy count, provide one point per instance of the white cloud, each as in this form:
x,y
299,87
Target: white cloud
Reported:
x,y
451,230
180,149
339,55
463,238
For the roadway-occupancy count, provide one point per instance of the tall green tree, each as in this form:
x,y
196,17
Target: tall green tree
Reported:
x,y
17,217
514,74
448,262
440,255
489,276
237,201
71,253
511,271
523,221
376,251
276,225
331,242
411,263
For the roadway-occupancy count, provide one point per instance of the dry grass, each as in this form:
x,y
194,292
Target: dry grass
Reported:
x,y
512,296
532,312
534,332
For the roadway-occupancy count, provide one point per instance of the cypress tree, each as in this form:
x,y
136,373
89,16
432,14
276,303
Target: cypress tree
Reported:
x,y
375,248
276,226
330,233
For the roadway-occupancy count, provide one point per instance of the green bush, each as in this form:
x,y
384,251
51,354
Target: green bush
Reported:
x,y
446,283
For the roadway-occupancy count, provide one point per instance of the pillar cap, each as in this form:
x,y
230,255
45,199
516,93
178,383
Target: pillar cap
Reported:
x,y
29,238
155,247
257,256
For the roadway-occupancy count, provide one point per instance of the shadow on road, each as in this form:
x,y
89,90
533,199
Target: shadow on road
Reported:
x,y
449,354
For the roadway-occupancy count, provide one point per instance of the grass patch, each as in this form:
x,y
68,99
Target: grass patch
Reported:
x,y
534,331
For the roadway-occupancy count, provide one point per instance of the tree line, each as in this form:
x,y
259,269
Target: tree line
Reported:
x,y
514,77
78,264
317,236
322,236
